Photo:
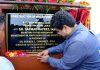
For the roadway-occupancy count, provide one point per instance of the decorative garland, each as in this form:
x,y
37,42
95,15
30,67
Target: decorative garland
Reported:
x,y
39,7
51,1
46,7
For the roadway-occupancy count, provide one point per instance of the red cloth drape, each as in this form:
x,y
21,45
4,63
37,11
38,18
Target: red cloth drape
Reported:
x,y
73,12
80,14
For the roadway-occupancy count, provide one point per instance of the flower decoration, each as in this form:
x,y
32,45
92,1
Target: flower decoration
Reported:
x,y
84,3
39,7
15,54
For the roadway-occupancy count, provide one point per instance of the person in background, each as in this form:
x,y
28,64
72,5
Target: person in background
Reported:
x,y
5,64
79,48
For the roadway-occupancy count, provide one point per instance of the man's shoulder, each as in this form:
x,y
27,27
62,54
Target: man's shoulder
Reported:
x,y
82,36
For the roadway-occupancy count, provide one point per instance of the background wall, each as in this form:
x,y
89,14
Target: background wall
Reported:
x,y
95,17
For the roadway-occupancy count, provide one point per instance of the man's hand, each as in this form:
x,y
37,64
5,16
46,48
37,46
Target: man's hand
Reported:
x,y
43,58
43,53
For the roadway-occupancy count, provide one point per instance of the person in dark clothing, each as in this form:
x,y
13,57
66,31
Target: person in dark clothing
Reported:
x,y
79,48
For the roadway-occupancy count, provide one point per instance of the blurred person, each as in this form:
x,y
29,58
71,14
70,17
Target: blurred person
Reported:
x,y
5,64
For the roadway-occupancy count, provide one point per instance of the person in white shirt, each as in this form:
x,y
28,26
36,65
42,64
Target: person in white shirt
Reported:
x,y
5,64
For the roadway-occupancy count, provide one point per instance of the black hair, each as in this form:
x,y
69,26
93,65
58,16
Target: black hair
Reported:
x,y
61,18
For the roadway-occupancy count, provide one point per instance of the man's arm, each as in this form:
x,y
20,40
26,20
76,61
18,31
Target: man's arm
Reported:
x,y
56,49
73,56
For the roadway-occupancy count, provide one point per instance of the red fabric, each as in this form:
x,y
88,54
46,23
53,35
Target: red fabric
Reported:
x,y
79,14
40,0
73,12
52,1
29,0
82,15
